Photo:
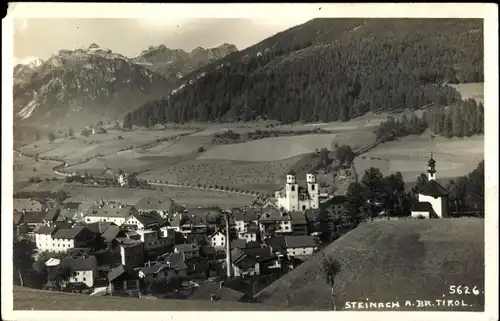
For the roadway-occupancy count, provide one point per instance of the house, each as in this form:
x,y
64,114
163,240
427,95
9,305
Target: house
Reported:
x,y
144,220
152,239
293,197
55,239
122,179
217,291
273,222
189,223
83,270
218,239
27,205
243,264
277,245
51,216
187,250
298,223
433,194
109,212
250,235
264,256
300,245
131,252
122,280
246,218
163,206
312,219
72,210
33,220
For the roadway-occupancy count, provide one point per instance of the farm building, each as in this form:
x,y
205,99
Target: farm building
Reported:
x,y
433,198
109,212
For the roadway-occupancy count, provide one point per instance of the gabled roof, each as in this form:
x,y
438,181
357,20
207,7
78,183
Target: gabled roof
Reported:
x,y
433,188
276,243
210,290
68,213
27,204
297,217
175,261
186,247
299,241
34,217
221,231
46,230
98,227
70,233
239,243
272,215
81,263
111,211
111,233
422,207
52,214
116,272
246,214
125,242
149,218
158,203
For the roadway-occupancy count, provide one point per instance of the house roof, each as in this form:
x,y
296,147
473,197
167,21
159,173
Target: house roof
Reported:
x,y
246,214
218,231
276,243
52,214
111,232
34,217
17,217
422,207
68,213
299,241
150,203
208,250
175,260
116,272
297,217
187,247
149,218
433,188
311,213
241,259
98,227
209,290
47,230
185,219
259,253
52,262
271,215
111,210
252,244
125,242
68,233
239,243
81,263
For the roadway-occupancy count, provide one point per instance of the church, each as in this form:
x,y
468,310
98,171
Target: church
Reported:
x,y
432,198
298,198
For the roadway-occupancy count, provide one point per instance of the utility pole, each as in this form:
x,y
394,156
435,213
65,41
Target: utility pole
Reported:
x,y
229,266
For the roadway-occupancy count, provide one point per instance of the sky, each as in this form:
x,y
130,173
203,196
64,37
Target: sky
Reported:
x,y
42,37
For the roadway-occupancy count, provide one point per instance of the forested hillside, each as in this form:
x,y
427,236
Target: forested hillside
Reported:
x,y
330,69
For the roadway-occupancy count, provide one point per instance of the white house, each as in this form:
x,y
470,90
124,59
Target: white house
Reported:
x,y
109,212
218,239
83,270
141,221
433,197
297,198
300,245
62,239
246,218
122,179
250,235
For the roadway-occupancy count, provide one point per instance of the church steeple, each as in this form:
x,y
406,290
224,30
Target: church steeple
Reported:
x,y
431,169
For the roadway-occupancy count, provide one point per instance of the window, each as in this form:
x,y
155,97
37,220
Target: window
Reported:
x,y
312,187
293,188
84,279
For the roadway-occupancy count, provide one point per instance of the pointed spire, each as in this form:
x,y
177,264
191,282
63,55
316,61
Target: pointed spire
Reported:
x,y
431,168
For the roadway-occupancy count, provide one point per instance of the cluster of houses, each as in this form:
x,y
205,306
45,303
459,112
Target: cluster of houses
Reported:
x,y
119,248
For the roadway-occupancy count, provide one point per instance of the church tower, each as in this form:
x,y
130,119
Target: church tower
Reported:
x,y
431,169
291,192
312,189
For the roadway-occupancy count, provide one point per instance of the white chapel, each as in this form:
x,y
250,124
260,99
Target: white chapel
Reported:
x,y
432,198
298,198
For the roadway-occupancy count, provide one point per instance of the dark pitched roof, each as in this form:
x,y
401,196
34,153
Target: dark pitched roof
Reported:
x,y
433,188
34,217
299,241
259,253
187,247
125,242
111,232
175,261
246,214
111,210
17,217
276,243
208,250
44,230
238,244
422,207
81,263
252,244
271,215
52,214
98,227
116,272
159,203
150,218
210,290
297,217
70,233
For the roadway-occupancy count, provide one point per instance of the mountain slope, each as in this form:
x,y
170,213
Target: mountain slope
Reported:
x,y
84,85
175,63
389,261
330,69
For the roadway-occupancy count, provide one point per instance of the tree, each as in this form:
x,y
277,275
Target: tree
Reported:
x,y
356,199
331,268
422,180
85,132
70,132
127,121
24,274
372,180
345,155
394,193
51,137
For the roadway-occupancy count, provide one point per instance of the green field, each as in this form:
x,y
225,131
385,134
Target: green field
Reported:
x,y
391,261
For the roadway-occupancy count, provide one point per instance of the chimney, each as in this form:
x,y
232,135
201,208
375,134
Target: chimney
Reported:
x,y
229,266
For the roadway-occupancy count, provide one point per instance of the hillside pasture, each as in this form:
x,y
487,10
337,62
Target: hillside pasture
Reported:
x,y
254,176
409,155
269,149
183,196
387,261
25,168
471,91
79,148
